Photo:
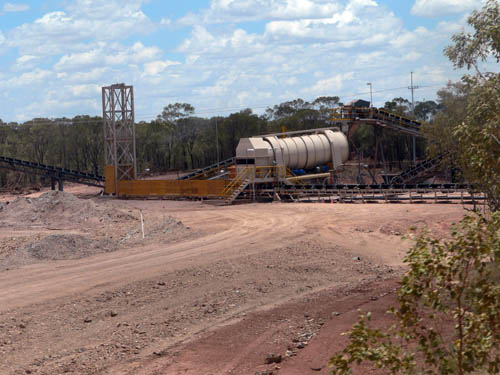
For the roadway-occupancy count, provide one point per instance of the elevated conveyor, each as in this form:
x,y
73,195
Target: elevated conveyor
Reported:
x,y
380,117
349,193
210,171
54,173
419,172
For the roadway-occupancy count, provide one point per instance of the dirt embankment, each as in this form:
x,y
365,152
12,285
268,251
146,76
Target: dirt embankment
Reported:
x,y
59,226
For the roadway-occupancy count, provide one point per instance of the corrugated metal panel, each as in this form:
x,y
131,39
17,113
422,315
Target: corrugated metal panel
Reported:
x,y
180,188
109,175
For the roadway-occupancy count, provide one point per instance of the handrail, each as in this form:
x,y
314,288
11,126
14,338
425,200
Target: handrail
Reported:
x,y
252,172
235,182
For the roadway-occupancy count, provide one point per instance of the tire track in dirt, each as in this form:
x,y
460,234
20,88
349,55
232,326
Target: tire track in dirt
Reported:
x,y
33,284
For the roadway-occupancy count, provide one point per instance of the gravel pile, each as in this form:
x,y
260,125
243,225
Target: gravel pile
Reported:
x,y
57,208
56,247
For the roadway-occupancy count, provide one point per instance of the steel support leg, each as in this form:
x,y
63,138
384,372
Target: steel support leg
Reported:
x,y
414,150
52,183
61,184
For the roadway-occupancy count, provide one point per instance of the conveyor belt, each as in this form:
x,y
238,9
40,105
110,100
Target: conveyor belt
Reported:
x,y
444,193
209,170
419,171
340,187
379,117
55,173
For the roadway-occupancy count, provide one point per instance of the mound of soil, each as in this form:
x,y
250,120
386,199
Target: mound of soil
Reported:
x,y
67,246
84,228
59,209
57,247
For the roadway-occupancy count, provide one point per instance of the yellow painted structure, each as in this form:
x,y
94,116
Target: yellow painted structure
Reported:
x,y
176,188
109,175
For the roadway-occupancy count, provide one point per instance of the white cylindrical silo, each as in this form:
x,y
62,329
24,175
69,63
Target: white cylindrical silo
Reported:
x,y
309,151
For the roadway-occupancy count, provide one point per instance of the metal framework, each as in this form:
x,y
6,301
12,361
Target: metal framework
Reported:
x,y
54,173
350,193
119,131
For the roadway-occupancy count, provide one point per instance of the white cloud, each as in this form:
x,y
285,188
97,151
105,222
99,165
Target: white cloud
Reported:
x,y
26,62
438,8
329,85
306,48
57,32
412,56
85,90
25,59
221,11
166,21
30,78
94,75
360,21
431,74
107,54
14,7
155,67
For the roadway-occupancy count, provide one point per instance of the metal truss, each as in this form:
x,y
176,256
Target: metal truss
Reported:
x,y
54,173
119,131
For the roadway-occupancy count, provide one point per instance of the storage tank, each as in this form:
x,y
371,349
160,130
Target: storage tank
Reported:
x,y
309,151
301,152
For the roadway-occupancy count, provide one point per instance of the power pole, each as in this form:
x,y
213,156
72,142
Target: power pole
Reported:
x,y
217,142
371,94
413,88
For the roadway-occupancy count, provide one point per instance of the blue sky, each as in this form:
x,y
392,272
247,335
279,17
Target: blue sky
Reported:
x,y
220,55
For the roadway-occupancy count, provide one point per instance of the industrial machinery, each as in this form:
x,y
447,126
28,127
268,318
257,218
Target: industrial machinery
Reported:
x,y
269,157
293,165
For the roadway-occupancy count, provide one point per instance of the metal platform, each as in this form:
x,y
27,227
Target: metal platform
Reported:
x,y
56,174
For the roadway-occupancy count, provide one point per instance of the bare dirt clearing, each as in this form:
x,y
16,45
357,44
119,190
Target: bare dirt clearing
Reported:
x,y
209,290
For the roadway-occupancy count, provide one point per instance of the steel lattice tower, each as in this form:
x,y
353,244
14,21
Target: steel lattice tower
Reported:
x,y
119,131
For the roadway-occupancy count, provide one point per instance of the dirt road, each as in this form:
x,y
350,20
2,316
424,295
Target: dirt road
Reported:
x,y
137,309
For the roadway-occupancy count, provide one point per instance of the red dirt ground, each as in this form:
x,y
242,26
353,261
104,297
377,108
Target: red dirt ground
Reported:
x,y
209,290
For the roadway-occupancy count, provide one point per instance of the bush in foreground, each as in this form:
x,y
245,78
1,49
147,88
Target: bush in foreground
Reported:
x,y
448,318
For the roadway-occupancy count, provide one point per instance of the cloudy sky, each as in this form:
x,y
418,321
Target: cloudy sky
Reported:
x,y
219,55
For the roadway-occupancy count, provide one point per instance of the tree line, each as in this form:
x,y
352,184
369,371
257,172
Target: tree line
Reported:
x,y
179,140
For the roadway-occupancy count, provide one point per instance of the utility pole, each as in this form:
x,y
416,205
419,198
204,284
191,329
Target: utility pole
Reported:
x,y
217,141
413,88
371,94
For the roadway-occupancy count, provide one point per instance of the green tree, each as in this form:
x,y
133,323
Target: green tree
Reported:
x,y
478,133
325,104
453,279
469,49
179,116
478,139
173,112
401,106
426,110
236,126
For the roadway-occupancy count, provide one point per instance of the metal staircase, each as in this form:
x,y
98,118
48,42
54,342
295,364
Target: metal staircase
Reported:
x,y
209,171
236,186
418,172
